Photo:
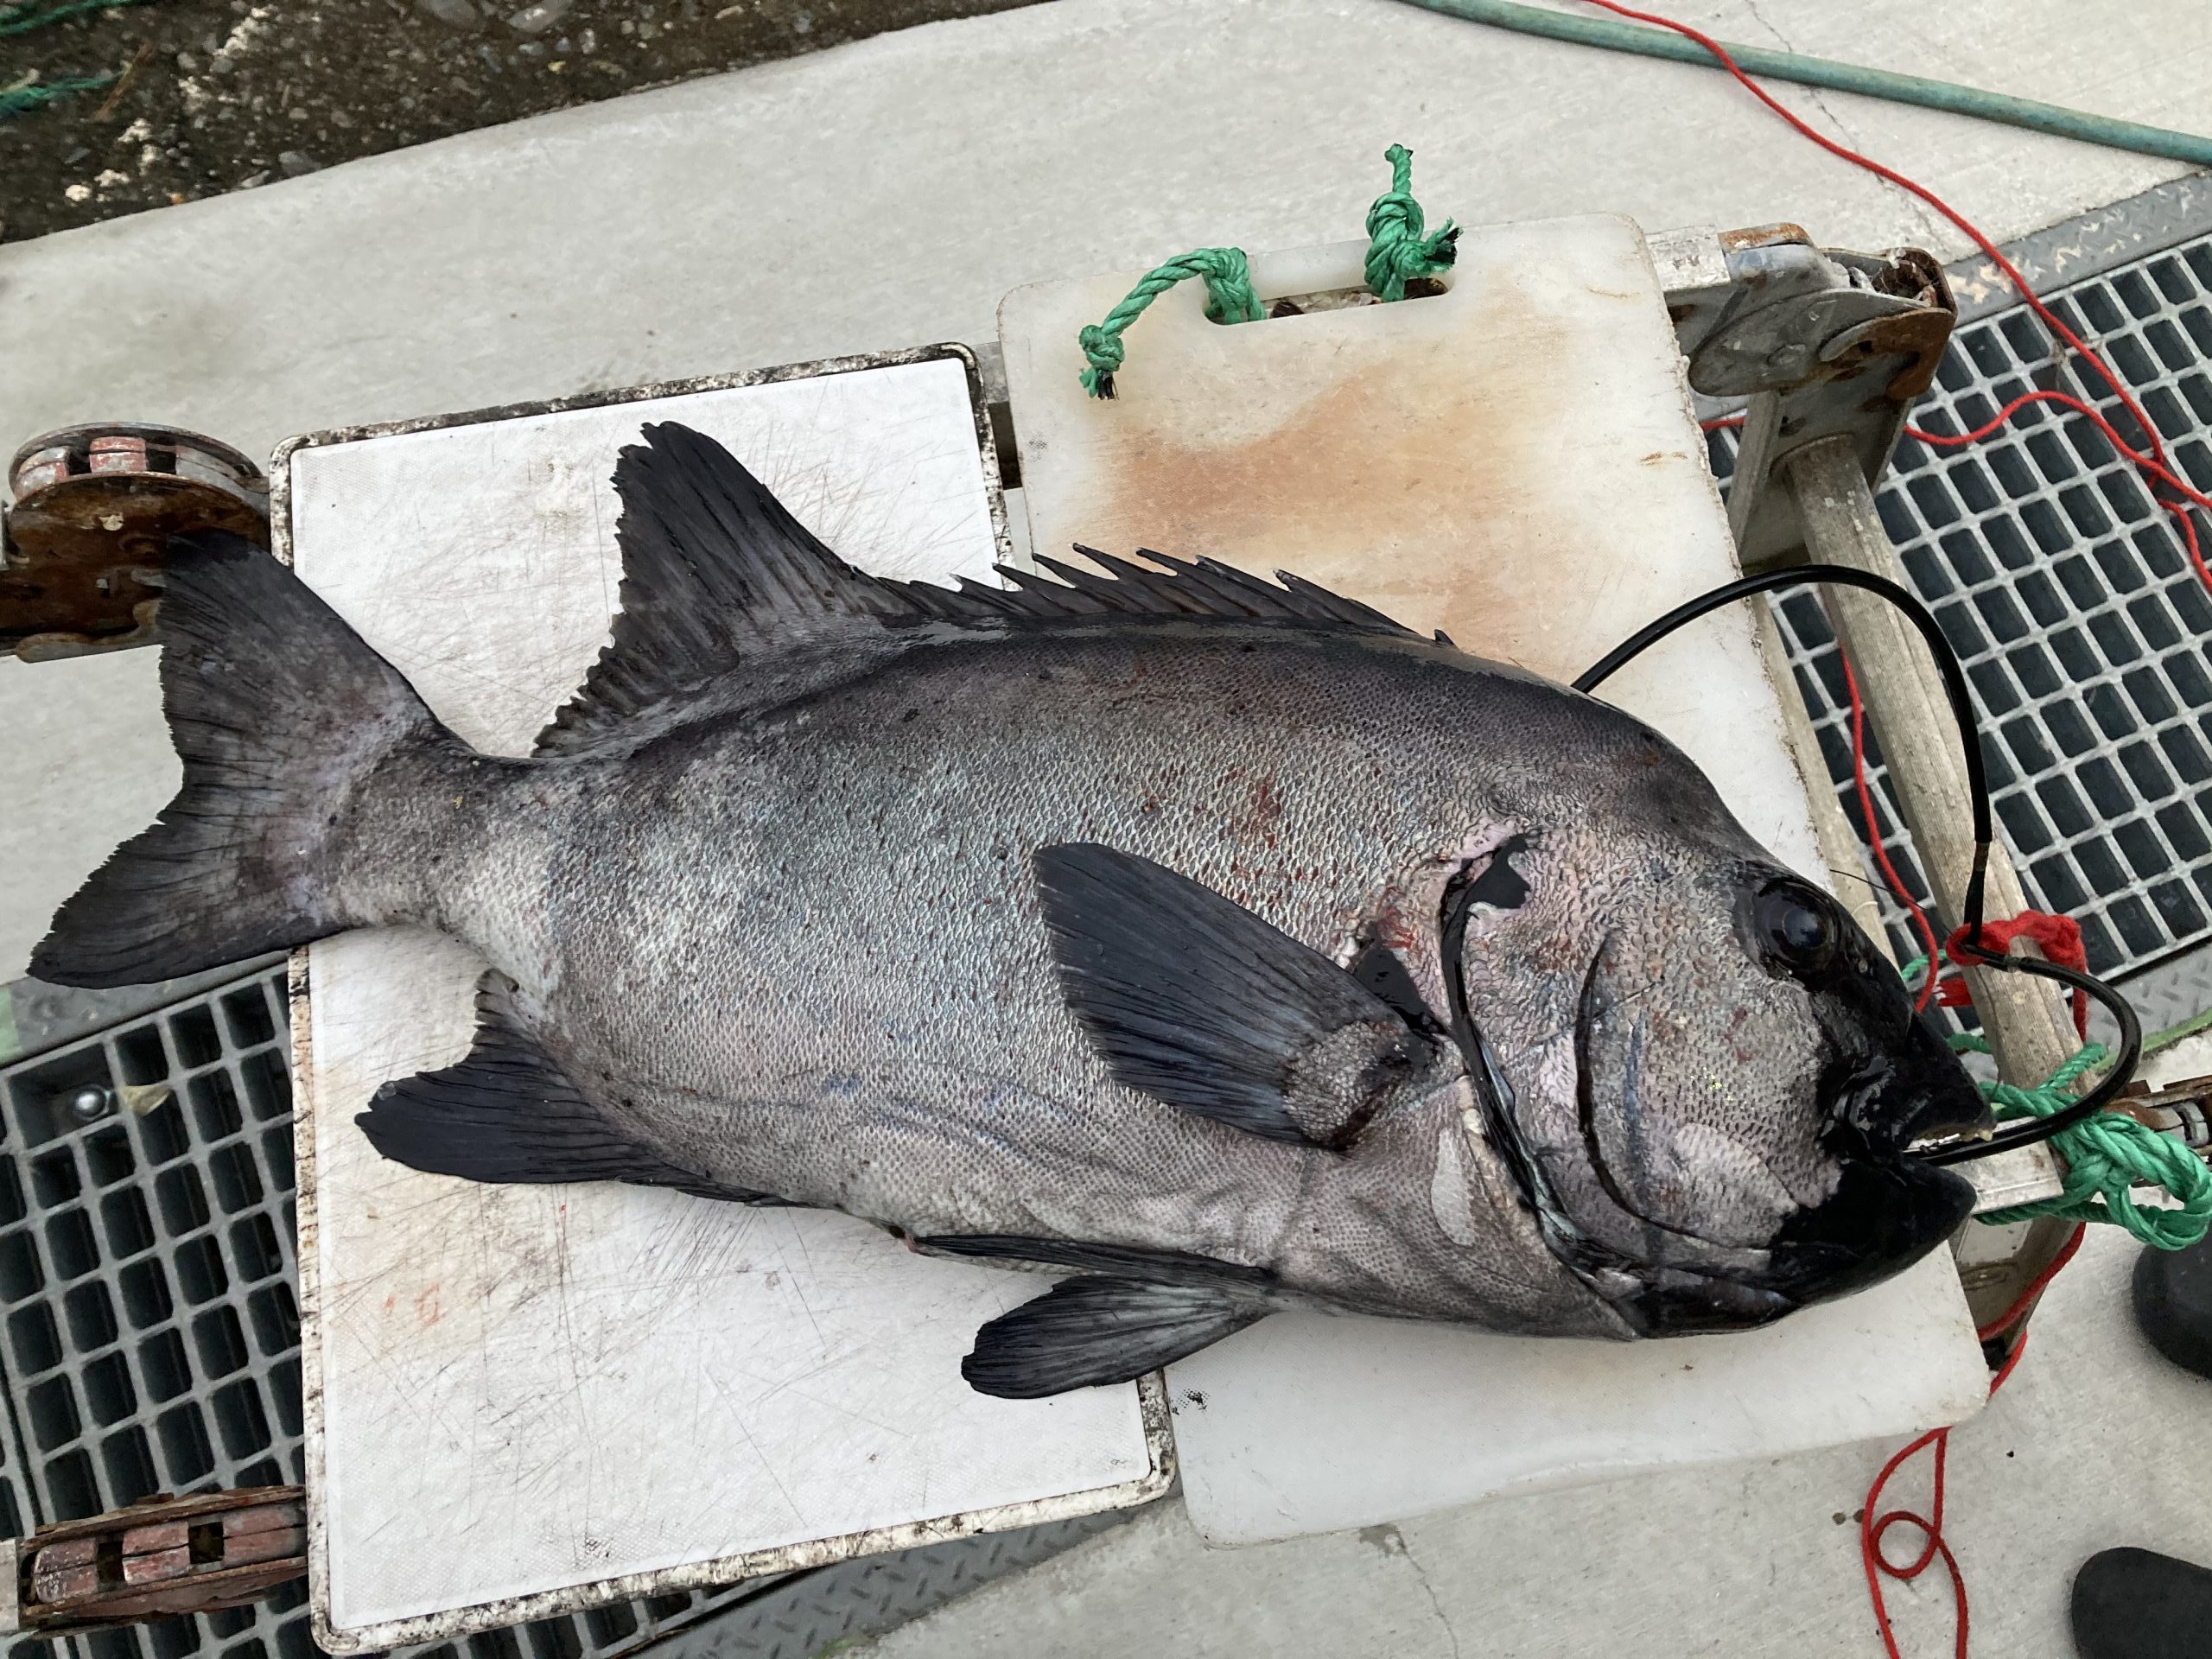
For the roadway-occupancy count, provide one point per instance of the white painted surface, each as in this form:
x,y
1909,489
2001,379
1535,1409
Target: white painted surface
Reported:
x,y
1304,1424
2190,1057
480,559
1513,461
1059,139
528,1388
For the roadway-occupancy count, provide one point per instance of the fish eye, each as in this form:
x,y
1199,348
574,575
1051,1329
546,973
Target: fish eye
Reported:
x,y
1798,929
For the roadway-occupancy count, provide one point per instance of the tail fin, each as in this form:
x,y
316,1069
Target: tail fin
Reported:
x,y
278,709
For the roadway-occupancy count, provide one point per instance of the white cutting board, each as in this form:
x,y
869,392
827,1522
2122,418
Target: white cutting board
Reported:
x,y
1513,461
526,1398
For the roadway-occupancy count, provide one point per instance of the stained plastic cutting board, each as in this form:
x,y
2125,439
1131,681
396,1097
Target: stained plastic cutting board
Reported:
x,y
1513,461
526,1398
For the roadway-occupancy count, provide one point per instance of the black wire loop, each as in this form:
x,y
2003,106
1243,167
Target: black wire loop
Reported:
x,y
1956,692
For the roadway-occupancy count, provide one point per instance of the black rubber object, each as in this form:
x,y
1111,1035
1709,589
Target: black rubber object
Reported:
x,y
2173,1304
2136,1604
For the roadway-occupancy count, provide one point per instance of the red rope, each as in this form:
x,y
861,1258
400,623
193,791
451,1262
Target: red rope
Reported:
x,y
2149,464
1897,888
2154,463
2059,937
1874,1522
2027,1299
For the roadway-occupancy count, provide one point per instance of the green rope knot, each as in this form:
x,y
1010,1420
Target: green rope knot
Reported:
x,y
2107,1156
1229,298
29,92
1397,251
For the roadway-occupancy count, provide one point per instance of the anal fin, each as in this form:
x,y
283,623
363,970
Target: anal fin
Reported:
x,y
508,1114
1089,1331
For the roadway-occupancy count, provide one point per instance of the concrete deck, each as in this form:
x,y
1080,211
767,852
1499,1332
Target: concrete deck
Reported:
x,y
888,193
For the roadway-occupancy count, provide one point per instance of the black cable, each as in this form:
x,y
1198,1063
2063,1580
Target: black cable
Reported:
x,y
1960,699
1843,576
2107,1089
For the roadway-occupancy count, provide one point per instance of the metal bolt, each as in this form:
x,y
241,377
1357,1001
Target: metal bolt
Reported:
x,y
92,1102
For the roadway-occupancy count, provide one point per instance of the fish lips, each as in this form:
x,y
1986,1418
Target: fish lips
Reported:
x,y
1886,1213
1890,1080
1887,1210
1891,1095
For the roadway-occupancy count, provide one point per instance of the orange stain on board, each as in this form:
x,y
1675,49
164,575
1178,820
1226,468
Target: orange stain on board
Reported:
x,y
1406,480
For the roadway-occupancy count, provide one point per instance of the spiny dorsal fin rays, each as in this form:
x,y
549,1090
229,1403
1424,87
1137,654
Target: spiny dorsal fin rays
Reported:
x,y
1053,592
1227,589
714,571
719,580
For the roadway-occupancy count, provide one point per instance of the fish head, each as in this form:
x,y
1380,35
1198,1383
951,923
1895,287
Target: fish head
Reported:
x,y
1710,1101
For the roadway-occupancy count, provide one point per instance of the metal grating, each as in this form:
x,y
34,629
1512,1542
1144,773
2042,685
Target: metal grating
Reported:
x,y
2067,593
826,1611
151,1338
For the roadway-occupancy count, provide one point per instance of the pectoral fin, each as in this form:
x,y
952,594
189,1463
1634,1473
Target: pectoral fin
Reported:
x,y
1195,1000
1090,1330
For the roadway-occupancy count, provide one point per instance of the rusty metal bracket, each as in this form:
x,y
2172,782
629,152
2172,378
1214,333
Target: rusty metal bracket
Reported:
x,y
90,510
156,1560
1819,341
2182,1109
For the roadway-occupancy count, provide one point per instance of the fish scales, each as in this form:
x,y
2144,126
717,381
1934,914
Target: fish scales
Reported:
x,y
828,914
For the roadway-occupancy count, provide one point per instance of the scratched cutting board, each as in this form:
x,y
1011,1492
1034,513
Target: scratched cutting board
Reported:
x,y
523,1399
1513,461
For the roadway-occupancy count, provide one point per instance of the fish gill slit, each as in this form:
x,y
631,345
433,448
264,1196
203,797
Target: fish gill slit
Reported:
x,y
1453,904
1586,1101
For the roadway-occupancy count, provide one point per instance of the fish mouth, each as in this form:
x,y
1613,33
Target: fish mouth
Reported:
x,y
1887,1211
1886,1214
1890,1101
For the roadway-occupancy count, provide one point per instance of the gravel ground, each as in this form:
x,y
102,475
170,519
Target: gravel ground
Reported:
x,y
217,95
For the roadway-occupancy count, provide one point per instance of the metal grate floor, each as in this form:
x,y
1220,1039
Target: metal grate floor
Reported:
x,y
149,1334
2067,593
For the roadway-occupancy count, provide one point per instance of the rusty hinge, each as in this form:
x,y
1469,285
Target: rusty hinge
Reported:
x,y
89,512
155,1559
2182,1109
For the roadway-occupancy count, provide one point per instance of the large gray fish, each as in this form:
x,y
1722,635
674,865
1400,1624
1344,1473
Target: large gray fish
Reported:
x,y
1222,943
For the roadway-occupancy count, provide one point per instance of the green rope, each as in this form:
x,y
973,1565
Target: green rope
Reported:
x,y
1229,298
2174,1033
27,94
18,18
2107,1156
1397,252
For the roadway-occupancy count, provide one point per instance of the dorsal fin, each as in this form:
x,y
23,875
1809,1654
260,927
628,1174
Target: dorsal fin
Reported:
x,y
716,573
1179,587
